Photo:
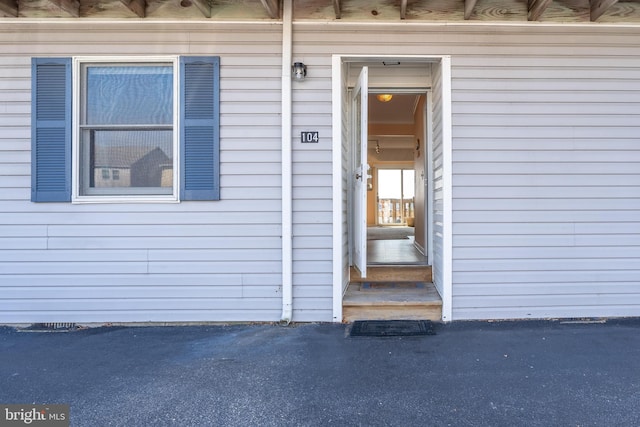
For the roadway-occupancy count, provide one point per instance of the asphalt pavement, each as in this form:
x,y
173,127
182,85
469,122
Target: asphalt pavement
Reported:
x,y
531,373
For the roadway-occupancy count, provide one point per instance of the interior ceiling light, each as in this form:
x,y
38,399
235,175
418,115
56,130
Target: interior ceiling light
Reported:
x,y
384,97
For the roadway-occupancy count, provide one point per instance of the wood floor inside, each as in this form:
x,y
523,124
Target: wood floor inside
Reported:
x,y
394,252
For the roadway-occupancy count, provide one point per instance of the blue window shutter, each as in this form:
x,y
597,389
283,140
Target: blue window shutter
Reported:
x,y
51,130
199,128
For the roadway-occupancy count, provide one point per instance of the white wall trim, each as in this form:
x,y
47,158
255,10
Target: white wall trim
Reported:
x,y
447,191
206,24
468,24
336,158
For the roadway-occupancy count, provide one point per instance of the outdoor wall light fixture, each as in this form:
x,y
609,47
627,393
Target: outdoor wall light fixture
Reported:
x,y
299,71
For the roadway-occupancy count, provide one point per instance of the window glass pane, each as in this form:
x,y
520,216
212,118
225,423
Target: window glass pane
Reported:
x,y
389,184
129,95
408,184
140,161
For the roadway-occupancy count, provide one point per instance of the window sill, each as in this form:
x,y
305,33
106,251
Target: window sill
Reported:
x,y
123,199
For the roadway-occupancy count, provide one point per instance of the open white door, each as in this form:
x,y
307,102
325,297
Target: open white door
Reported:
x,y
359,104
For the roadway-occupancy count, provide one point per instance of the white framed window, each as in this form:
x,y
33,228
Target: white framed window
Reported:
x,y
125,121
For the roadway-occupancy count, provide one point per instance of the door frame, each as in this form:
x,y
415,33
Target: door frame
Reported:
x,y
341,235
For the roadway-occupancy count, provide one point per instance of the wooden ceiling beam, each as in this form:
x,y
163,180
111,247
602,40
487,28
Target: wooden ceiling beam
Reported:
x,y
337,9
203,6
72,7
403,9
599,7
469,5
9,7
139,7
536,8
273,8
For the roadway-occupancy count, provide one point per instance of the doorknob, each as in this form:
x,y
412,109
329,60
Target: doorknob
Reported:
x,y
358,176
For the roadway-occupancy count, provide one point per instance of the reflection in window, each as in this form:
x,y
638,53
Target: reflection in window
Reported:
x,y
137,159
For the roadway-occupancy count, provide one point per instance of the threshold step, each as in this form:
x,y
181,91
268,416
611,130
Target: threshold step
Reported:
x,y
398,273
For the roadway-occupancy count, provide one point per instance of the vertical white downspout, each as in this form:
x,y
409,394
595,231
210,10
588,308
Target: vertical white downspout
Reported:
x,y
287,214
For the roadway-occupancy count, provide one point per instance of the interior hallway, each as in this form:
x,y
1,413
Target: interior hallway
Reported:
x,y
383,251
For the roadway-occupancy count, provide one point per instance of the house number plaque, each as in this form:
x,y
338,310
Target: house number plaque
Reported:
x,y
307,137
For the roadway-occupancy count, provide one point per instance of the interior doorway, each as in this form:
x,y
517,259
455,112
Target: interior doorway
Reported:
x,y
397,216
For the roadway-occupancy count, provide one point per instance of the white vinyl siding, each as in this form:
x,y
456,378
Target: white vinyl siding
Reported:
x,y
547,183
546,160
437,161
312,194
193,261
546,177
